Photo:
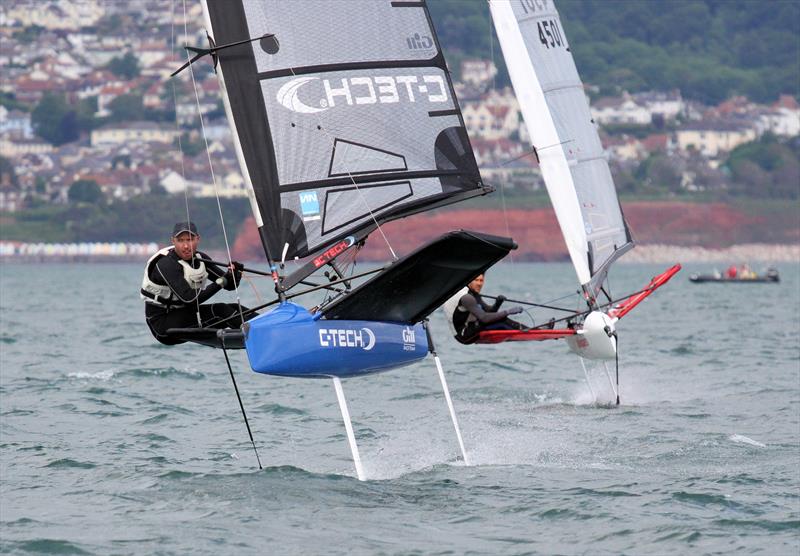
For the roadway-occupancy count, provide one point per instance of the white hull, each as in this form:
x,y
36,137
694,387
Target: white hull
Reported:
x,y
597,339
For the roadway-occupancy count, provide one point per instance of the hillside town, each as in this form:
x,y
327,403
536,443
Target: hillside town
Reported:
x,y
140,123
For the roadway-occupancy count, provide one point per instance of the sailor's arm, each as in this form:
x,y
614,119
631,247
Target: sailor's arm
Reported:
x,y
229,282
171,273
498,301
484,317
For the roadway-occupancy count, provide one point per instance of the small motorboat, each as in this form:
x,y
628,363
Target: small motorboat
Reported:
x,y
771,275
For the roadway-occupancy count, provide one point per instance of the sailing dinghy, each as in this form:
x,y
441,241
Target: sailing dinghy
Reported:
x,y
575,171
344,117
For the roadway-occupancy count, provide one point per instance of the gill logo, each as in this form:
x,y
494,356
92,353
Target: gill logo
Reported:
x,y
419,42
345,337
360,90
409,339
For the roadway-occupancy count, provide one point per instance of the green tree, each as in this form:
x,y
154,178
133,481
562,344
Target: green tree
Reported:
x,y
54,121
766,168
189,147
85,191
85,112
126,66
121,160
658,172
158,190
786,179
11,103
41,185
624,180
28,34
8,175
709,49
111,25
126,108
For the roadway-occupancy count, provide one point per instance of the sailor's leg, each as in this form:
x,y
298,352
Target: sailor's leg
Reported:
x,y
222,315
159,321
337,385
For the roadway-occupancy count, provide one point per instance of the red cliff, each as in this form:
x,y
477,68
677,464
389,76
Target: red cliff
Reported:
x,y
536,231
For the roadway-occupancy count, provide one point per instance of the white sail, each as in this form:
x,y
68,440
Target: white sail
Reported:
x,y
562,131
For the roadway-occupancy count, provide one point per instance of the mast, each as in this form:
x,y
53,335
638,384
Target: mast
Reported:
x,y
238,149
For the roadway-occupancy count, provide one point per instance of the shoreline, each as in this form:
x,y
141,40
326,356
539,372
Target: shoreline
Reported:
x,y
763,253
746,252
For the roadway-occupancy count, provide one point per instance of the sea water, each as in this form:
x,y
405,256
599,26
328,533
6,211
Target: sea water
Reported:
x,y
113,444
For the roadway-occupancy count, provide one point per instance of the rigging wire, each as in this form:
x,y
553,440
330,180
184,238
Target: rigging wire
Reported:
x,y
241,405
213,178
178,132
253,287
616,358
502,182
173,40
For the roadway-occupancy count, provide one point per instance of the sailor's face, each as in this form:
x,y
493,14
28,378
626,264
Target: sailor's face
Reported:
x,y
477,284
186,245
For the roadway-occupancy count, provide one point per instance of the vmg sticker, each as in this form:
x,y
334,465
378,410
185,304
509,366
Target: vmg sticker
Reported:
x,y
309,205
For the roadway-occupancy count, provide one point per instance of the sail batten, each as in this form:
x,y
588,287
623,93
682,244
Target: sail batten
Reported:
x,y
556,113
562,86
327,68
334,107
358,178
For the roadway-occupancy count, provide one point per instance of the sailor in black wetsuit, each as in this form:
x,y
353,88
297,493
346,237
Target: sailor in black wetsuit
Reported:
x,y
473,314
173,291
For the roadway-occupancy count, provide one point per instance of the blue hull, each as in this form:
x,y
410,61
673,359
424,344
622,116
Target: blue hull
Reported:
x,y
290,341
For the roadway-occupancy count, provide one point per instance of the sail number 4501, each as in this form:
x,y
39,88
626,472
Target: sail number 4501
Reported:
x,y
550,34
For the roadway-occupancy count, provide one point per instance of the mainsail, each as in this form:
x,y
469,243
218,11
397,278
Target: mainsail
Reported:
x,y
565,138
343,116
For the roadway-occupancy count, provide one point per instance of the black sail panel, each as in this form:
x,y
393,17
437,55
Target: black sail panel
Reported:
x,y
413,287
346,117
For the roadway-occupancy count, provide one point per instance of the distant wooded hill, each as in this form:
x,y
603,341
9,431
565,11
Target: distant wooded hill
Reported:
x,y
709,49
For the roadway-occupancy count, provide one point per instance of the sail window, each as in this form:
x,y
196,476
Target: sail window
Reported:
x,y
350,204
350,158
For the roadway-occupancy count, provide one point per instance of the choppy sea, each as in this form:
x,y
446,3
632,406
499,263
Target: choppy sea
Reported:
x,y
113,444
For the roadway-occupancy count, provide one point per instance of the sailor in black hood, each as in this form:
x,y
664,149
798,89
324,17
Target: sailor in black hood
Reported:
x,y
473,314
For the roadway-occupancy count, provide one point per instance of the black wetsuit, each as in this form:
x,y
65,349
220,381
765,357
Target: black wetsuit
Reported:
x,y
473,314
167,271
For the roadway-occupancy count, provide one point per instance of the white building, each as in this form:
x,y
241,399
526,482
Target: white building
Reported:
x,y
711,138
15,123
783,118
477,72
135,132
620,110
669,105
52,14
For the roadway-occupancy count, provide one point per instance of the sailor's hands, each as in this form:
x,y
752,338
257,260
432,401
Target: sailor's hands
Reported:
x,y
514,310
231,278
234,274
